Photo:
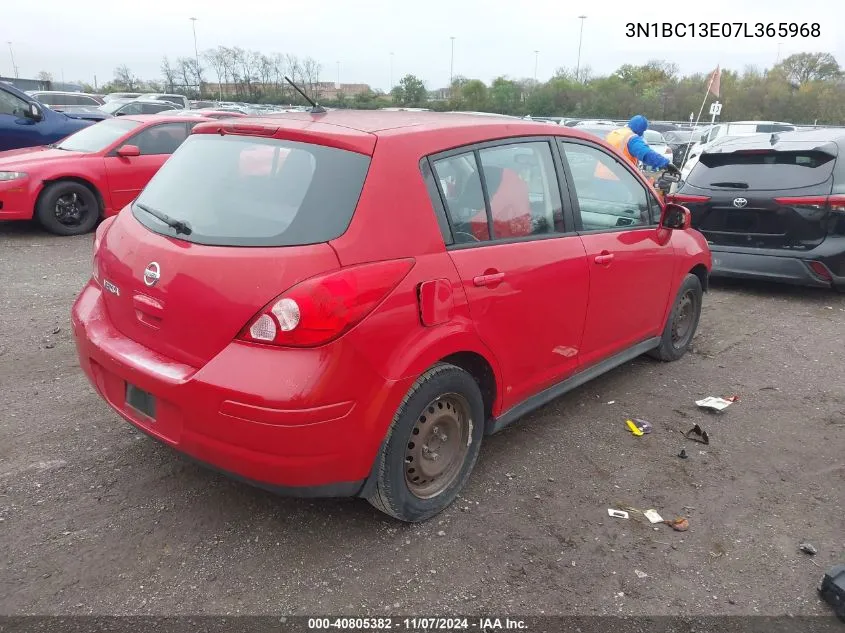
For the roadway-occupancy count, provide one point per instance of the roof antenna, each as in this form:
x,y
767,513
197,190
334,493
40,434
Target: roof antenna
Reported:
x,y
315,109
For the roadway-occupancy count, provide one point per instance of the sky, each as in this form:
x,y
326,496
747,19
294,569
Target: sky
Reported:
x,y
491,38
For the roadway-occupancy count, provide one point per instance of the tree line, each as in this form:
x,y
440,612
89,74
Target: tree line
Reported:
x,y
803,88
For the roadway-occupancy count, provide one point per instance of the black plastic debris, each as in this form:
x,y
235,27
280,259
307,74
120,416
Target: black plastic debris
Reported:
x,y
697,434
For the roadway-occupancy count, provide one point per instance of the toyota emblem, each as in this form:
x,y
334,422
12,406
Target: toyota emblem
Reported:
x,y
152,273
739,203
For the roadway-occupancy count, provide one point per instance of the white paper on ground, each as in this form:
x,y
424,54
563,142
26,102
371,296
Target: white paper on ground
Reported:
x,y
711,402
652,516
617,514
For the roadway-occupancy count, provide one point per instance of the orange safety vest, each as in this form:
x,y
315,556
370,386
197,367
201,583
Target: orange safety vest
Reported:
x,y
618,140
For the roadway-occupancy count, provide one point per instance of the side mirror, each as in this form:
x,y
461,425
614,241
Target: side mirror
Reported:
x,y
676,216
128,151
34,112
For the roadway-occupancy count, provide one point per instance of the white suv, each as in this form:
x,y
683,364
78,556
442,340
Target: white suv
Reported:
x,y
736,128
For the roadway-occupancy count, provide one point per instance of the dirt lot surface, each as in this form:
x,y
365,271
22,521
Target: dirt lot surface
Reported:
x,y
96,518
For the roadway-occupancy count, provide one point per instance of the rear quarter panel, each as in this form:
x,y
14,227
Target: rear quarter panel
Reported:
x,y
395,219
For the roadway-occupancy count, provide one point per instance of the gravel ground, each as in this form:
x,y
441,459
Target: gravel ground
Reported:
x,y
97,519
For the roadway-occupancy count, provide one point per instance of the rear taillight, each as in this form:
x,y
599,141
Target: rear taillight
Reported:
x,y
682,198
99,234
320,309
833,203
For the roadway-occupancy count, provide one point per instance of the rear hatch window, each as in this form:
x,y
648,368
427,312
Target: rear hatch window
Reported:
x,y
246,191
762,170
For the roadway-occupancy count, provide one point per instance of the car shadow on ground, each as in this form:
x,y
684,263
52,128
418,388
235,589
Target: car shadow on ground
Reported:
x,y
23,231
774,289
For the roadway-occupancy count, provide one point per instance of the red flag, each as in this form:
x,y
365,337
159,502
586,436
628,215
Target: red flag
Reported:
x,y
714,80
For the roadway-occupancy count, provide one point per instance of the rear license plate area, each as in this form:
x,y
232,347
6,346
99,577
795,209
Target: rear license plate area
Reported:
x,y
142,401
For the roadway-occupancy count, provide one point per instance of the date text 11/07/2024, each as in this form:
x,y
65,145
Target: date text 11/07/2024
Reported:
x,y
481,624
723,29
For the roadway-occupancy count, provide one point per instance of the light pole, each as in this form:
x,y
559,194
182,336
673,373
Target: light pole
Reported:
x,y
536,59
580,39
452,64
391,70
338,75
196,55
14,66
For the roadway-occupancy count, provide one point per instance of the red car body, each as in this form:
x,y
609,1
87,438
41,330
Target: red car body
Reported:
x,y
307,414
115,180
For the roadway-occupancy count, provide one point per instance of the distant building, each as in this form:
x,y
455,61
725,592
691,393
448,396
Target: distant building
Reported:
x,y
26,84
65,87
37,84
327,90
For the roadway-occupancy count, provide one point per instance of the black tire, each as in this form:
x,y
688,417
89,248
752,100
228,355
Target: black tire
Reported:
x,y
682,322
67,207
394,493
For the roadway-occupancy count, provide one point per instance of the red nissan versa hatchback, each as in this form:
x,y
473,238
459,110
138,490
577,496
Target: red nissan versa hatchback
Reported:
x,y
345,303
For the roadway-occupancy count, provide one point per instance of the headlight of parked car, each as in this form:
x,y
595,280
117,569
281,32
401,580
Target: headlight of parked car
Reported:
x,y
11,175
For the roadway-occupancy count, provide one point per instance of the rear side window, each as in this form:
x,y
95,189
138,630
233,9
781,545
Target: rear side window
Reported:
x,y
763,170
155,108
519,195
246,191
460,184
522,189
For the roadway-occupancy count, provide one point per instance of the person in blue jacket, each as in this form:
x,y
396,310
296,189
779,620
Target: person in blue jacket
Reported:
x,y
629,142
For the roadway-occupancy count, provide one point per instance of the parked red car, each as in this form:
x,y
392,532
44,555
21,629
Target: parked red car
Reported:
x,y
93,173
353,317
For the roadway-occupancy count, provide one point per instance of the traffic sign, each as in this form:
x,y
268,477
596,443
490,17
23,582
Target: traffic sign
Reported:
x,y
715,108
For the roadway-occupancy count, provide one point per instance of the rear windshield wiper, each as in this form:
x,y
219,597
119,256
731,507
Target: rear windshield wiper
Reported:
x,y
176,225
730,185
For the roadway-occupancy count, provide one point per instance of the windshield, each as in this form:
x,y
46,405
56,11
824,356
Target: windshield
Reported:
x,y
246,191
113,106
653,137
682,136
97,137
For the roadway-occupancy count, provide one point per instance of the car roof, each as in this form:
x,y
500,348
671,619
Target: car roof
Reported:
x,y
357,130
755,123
60,92
160,118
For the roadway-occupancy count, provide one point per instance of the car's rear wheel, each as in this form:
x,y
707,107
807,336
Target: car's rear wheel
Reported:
x,y
432,445
682,322
67,207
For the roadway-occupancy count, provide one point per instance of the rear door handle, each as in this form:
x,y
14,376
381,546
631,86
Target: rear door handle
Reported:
x,y
486,280
604,258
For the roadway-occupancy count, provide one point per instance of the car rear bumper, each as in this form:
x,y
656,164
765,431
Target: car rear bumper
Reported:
x,y
259,414
784,268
